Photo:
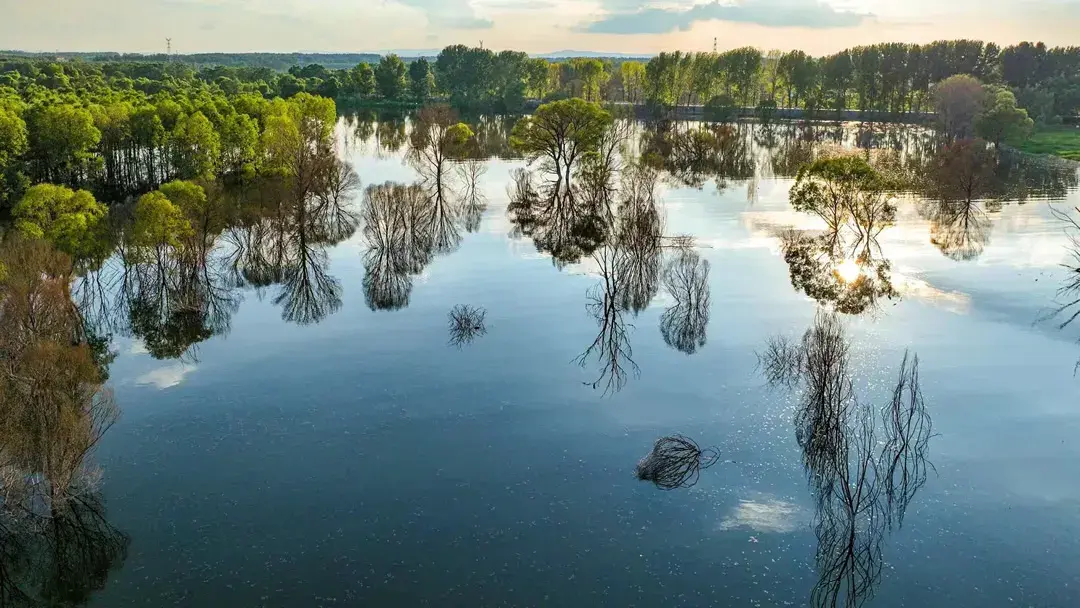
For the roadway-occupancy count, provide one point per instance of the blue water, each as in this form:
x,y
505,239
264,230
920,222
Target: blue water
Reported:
x,y
364,461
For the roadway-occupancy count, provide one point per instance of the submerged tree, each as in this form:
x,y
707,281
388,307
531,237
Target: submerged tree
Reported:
x,y
57,547
843,266
562,134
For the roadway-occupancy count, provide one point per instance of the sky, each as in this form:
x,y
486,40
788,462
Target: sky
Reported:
x,y
535,26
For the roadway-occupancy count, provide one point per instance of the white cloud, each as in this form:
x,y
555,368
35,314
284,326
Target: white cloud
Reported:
x,y
767,515
166,377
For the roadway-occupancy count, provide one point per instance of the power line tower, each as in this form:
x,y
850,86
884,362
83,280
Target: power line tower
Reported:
x,y
168,49
714,45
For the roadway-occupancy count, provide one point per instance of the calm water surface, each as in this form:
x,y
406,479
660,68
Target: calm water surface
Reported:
x,y
360,457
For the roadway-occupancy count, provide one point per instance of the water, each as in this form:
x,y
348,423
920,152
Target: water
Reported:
x,y
363,460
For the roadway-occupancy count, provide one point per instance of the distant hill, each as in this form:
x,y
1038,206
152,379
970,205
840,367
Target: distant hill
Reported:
x,y
592,54
276,61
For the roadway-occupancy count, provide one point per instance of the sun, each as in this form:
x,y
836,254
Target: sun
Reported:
x,y
849,271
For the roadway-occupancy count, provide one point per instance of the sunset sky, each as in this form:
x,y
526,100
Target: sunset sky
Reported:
x,y
537,26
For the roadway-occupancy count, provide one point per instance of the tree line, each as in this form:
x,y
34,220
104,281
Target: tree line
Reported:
x,y
116,130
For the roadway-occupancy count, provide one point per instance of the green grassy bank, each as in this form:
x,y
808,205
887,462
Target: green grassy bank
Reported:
x,y
1063,141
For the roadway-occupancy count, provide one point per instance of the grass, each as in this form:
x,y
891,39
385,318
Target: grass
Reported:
x,y
1063,141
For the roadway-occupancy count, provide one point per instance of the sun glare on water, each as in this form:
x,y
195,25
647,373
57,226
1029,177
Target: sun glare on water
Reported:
x,y
849,270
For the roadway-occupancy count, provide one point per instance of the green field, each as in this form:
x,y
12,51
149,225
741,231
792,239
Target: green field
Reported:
x,y
1059,141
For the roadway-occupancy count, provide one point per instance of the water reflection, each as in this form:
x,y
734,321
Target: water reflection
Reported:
x,y
1067,307
57,546
864,466
684,324
692,155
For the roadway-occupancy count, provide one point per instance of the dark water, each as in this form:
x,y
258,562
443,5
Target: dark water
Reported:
x,y
360,457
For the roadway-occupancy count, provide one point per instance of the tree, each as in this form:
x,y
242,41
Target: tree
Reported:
x,y
62,138
66,218
239,143
421,81
958,101
837,189
437,135
633,80
390,77
159,224
536,77
561,132
14,143
363,79
1000,120
196,146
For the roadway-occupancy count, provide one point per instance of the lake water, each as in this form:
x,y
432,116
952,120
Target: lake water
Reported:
x,y
325,453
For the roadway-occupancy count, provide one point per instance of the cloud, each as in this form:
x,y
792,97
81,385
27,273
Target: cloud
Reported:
x,y
810,14
767,515
518,5
450,14
165,377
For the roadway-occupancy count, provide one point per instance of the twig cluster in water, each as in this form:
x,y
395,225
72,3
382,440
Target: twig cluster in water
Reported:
x,y
675,462
466,324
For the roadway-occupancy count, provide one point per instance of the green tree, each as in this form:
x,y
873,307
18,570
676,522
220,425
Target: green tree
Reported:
x,y
196,146
1001,121
633,80
159,224
839,188
62,138
421,80
239,144
363,79
390,77
68,219
14,143
562,133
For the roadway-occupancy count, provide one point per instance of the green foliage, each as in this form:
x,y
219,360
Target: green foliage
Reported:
x,y
239,145
189,197
390,77
421,80
61,138
1000,120
562,132
68,219
837,188
196,146
362,80
14,143
159,224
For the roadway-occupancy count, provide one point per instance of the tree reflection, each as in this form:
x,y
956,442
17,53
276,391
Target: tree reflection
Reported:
x,y
57,546
1067,307
611,349
396,246
861,489
560,220
285,240
684,325
691,156
960,175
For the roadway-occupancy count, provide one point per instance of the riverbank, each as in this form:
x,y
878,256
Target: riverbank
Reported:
x,y
1063,141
